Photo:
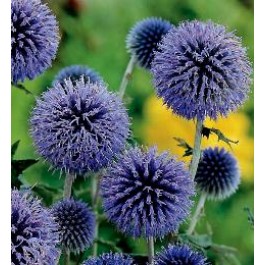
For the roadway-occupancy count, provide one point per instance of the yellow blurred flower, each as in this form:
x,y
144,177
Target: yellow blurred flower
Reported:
x,y
161,126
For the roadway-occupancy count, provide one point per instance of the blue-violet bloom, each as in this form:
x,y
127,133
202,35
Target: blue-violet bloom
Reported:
x,y
34,39
34,233
79,127
146,193
201,70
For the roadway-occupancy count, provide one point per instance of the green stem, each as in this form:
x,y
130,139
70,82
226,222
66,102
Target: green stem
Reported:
x,y
196,153
68,182
197,214
95,195
66,257
126,77
151,250
69,179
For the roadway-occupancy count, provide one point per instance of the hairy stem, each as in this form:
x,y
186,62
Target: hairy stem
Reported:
x,y
95,195
126,77
197,214
196,153
151,250
69,179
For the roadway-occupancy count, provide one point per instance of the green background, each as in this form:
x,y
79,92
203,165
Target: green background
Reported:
x,y
93,33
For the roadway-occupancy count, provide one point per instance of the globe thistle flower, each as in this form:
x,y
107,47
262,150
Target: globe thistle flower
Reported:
x,y
80,126
76,224
144,37
74,72
147,194
201,70
33,231
179,254
218,175
34,38
110,259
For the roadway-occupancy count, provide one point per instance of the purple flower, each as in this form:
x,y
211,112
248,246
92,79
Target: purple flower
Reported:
x,y
33,231
179,255
218,174
109,259
79,127
76,224
201,70
34,39
147,194
74,72
144,37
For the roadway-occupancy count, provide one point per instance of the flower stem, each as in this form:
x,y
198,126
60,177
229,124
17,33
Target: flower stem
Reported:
x,y
68,182
94,195
66,257
69,179
197,213
196,153
151,250
126,77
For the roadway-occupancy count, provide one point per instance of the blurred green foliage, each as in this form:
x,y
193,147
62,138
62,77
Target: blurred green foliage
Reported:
x,y
93,33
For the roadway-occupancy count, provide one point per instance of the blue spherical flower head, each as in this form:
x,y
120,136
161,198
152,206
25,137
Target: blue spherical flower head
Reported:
x,y
34,39
218,174
201,70
144,37
33,231
75,72
146,193
79,127
76,224
180,255
110,259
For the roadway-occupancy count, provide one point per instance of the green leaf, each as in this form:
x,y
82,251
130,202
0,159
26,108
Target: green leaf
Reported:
x,y
182,143
110,244
23,88
202,241
250,216
46,193
14,147
221,137
17,168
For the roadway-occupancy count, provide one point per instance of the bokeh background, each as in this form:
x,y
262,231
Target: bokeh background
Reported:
x,y
93,33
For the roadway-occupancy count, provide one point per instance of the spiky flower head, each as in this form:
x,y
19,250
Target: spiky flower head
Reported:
x,y
218,174
34,38
79,126
146,193
33,231
144,37
75,72
180,255
110,259
76,224
201,70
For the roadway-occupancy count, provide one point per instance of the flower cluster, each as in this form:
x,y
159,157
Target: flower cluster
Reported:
x,y
34,38
110,259
143,39
217,174
80,126
146,193
76,224
179,254
201,70
75,72
33,231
